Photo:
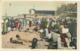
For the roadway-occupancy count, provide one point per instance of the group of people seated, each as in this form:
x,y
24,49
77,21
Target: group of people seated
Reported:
x,y
18,40
59,38
62,38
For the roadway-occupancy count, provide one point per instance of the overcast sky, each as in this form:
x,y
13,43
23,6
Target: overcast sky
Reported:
x,y
20,7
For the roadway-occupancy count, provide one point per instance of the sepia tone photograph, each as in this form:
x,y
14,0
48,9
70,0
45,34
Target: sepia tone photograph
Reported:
x,y
39,25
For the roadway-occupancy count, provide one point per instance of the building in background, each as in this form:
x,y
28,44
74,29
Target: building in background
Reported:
x,y
42,13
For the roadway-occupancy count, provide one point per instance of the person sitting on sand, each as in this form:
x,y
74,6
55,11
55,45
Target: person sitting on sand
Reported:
x,y
17,40
18,37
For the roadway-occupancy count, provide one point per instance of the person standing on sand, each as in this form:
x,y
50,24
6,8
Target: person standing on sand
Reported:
x,y
34,43
30,23
17,24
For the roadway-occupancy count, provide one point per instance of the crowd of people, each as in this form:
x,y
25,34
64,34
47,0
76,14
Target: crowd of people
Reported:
x,y
9,24
55,32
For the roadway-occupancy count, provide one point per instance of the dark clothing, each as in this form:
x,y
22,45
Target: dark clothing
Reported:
x,y
30,23
34,43
63,36
52,45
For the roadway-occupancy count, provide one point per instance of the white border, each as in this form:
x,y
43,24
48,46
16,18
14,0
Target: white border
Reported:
x,y
78,28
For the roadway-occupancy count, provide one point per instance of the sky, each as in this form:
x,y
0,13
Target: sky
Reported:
x,y
20,7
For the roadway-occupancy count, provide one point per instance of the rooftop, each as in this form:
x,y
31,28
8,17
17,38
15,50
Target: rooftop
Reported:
x,y
46,12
